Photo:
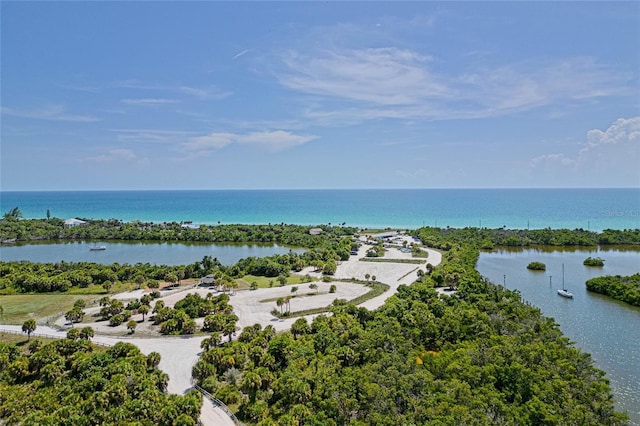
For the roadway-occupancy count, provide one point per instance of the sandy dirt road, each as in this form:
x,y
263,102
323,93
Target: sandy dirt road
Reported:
x,y
179,354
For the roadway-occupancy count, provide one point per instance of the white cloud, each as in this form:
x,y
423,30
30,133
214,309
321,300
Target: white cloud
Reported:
x,y
149,101
615,151
50,112
608,158
120,154
274,140
244,52
546,160
352,85
203,93
383,76
152,135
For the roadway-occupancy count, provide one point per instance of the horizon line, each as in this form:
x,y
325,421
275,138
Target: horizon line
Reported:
x,y
318,189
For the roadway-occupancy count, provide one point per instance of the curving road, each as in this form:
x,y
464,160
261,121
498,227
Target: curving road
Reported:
x,y
179,354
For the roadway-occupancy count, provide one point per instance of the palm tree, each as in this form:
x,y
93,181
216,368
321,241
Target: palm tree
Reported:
x,y
172,278
131,326
144,309
210,342
159,305
29,327
251,383
299,327
139,280
229,330
279,303
86,333
294,289
233,285
153,359
314,286
13,214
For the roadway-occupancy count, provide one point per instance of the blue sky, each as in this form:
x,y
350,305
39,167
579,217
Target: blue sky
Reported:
x,y
234,95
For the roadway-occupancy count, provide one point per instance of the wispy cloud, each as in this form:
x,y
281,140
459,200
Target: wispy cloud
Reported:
x,y
149,101
203,93
383,76
120,154
50,112
353,85
273,140
244,52
152,135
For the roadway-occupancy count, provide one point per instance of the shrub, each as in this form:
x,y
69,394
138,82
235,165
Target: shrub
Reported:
x,y
591,261
116,320
537,266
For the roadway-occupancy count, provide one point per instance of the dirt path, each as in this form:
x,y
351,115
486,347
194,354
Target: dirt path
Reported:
x,y
178,354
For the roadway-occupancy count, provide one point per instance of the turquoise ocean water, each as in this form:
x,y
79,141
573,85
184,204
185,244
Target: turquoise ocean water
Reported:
x,y
594,209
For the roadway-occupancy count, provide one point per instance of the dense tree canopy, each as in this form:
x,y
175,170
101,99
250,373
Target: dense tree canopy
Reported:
x,y
478,357
487,238
622,288
67,383
113,229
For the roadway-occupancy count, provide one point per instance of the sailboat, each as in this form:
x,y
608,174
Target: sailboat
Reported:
x,y
564,292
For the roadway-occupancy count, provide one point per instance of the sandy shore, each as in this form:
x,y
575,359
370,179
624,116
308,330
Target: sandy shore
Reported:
x,y
178,354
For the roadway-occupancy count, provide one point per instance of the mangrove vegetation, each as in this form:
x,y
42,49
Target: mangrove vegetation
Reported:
x,y
626,289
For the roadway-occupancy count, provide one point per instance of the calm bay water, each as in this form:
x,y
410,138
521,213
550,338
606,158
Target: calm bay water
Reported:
x,y
137,252
609,330
594,209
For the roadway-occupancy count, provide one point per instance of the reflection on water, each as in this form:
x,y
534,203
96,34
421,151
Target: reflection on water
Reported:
x,y
137,252
608,329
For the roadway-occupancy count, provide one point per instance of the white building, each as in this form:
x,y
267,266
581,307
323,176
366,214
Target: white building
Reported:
x,y
74,222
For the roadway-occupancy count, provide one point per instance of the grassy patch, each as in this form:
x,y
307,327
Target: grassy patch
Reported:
x,y
377,288
293,296
20,340
20,307
376,230
410,272
383,260
264,282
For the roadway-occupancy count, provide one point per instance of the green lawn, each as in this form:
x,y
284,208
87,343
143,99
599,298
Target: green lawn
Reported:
x,y
384,260
20,340
263,282
20,307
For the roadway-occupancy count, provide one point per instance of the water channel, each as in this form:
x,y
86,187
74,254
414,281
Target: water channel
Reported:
x,y
609,330
137,252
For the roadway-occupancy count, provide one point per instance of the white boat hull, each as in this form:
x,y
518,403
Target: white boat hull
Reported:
x,y
565,293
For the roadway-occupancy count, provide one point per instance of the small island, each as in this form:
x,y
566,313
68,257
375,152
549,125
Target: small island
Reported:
x,y
593,261
626,289
537,266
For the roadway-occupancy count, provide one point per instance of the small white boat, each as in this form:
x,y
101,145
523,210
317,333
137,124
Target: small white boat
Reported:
x,y
98,248
563,291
